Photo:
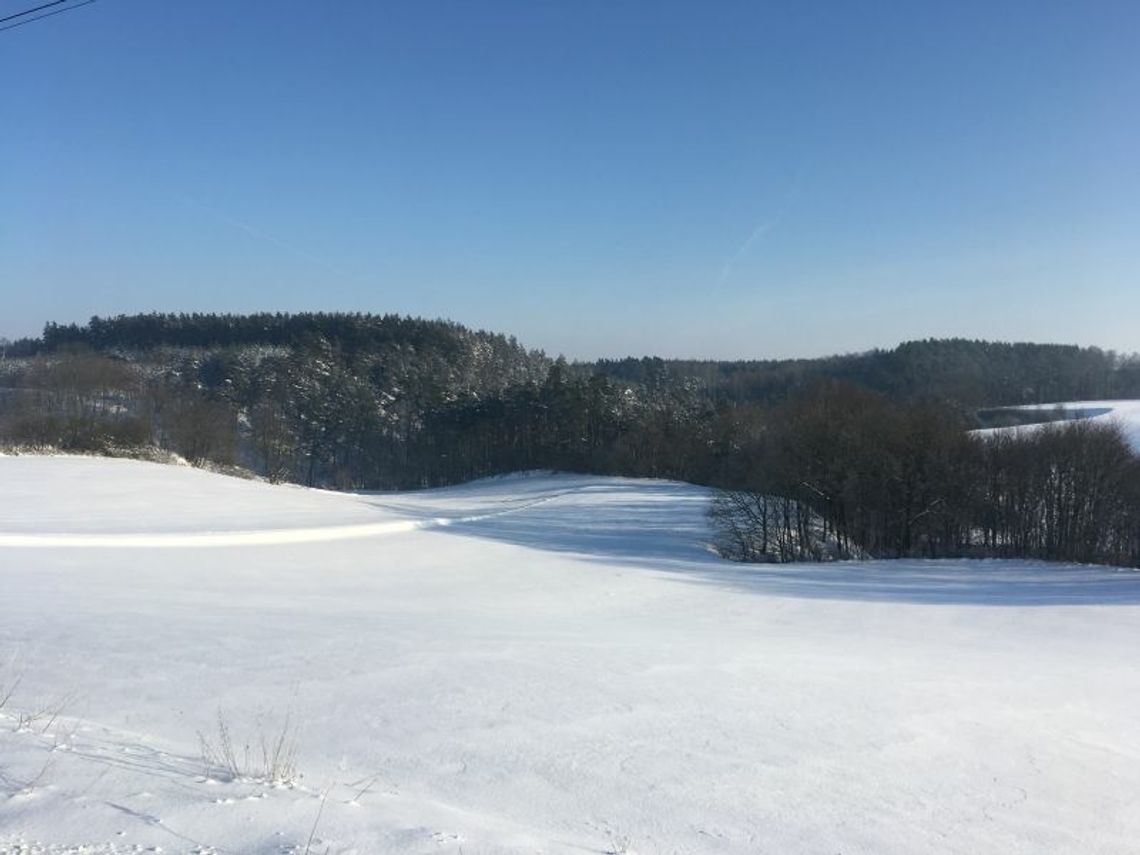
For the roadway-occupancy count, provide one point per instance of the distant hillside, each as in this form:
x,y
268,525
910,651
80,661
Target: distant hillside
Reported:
x,y
967,373
335,399
963,372
350,332
383,401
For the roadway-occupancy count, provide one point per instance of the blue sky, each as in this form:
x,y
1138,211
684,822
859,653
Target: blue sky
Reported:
x,y
704,179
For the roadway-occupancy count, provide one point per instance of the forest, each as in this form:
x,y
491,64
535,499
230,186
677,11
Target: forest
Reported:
x,y
856,455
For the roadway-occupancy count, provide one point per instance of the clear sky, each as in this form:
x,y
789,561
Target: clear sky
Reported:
x,y
703,179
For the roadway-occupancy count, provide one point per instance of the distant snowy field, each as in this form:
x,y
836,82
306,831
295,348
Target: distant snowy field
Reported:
x,y
544,664
1126,414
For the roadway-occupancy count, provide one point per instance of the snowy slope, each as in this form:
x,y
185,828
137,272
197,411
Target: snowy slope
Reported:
x,y
1126,414
547,664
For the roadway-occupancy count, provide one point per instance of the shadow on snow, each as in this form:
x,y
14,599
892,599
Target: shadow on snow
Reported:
x,y
661,527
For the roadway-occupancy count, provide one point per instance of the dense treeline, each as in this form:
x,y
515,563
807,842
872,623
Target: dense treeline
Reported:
x,y
965,373
351,332
841,472
1064,493
350,401
848,456
968,374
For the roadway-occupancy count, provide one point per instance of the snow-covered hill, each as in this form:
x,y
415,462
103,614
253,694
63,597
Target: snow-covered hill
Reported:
x,y
1126,414
547,664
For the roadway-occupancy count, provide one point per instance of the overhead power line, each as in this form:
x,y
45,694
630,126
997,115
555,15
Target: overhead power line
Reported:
x,y
35,9
41,17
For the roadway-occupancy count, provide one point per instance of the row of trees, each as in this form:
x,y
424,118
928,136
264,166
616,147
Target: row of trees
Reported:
x,y
1064,492
352,332
969,374
842,472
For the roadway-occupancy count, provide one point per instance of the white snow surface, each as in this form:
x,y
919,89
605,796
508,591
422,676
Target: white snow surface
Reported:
x,y
1124,413
541,664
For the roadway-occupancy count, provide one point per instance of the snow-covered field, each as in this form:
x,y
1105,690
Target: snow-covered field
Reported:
x,y
545,664
1126,414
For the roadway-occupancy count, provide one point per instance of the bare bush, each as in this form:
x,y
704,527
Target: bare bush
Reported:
x,y
267,755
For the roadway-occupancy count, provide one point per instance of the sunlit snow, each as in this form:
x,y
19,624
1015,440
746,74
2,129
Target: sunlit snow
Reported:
x,y
535,664
1125,414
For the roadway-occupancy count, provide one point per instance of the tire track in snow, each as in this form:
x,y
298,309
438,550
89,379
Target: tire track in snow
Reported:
x,y
255,537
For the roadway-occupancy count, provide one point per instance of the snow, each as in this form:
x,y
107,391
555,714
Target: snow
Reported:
x,y
542,664
1125,413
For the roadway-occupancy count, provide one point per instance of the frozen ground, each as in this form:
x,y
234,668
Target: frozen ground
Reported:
x,y
1124,413
536,665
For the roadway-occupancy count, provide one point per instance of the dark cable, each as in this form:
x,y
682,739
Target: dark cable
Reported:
x,y
46,14
29,11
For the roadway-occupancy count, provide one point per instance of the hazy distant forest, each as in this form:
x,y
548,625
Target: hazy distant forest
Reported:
x,y
858,455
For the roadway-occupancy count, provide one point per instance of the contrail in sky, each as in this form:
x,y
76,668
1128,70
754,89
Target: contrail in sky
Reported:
x,y
761,229
257,233
726,271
